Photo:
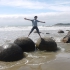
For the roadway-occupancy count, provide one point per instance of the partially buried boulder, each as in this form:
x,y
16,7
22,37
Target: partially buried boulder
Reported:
x,y
36,31
47,33
67,30
66,39
10,52
47,44
60,31
25,43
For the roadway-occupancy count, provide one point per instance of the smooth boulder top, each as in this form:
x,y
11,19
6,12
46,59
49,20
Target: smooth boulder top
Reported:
x,y
25,43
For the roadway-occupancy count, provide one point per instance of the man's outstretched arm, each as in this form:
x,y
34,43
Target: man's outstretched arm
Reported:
x,y
41,21
27,19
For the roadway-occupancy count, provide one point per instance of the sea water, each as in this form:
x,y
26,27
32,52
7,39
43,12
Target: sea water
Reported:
x,y
10,33
37,60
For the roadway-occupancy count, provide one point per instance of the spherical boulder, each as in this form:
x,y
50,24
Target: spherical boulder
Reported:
x,y
47,44
10,52
60,31
25,43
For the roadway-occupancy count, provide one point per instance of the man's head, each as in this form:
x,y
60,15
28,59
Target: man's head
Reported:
x,y
35,17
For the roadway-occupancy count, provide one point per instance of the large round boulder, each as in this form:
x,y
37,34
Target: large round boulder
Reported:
x,y
25,43
60,31
66,39
47,44
10,52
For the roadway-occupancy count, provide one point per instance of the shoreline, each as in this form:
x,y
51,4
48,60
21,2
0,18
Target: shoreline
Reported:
x,y
39,60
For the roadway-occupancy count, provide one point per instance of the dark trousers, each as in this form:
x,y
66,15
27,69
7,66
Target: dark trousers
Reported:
x,y
35,27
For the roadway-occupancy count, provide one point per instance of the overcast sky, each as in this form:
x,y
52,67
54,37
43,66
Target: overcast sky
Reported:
x,y
13,12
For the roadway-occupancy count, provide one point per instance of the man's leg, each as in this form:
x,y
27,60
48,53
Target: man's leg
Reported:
x,y
38,31
31,31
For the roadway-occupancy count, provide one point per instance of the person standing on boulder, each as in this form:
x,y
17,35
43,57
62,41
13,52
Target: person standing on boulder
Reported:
x,y
34,23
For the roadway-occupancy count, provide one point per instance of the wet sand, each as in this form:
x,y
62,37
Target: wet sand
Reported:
x,y
41,60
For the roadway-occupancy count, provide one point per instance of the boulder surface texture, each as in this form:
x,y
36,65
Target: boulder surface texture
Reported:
x,y
10,52
47,44
25,43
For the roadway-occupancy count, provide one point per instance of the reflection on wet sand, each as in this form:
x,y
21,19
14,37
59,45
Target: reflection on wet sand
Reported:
x,y
33,60
61,63
42,60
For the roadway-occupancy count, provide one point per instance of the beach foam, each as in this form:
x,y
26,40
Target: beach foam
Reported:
x,y
19,28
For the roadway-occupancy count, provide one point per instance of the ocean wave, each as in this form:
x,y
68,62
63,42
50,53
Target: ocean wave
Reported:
x,y
20,28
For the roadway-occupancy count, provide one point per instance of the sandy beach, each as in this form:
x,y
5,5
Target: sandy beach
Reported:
x,y
38,60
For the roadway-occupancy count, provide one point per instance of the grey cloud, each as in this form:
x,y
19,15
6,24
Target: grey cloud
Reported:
x,y
49,18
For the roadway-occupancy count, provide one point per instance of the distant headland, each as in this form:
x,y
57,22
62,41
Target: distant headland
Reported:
x,y
62,24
